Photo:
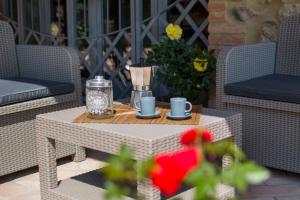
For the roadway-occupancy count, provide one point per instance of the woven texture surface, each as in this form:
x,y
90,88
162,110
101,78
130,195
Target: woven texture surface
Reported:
x,y
270,128
50,63
288,59
18,142
146,140
246,62
255,60
124,114
17,121
8,58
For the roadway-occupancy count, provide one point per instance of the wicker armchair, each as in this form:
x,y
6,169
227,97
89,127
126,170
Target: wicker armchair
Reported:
x,y
262,81
35,63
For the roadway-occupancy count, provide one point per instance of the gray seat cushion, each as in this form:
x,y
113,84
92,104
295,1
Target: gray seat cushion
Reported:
x,y
276,87
15,90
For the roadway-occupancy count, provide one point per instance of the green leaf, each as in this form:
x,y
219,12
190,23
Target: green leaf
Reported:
x,y
240,175
255,174
143,169
121,167
235,176
205,179
113,191
225,147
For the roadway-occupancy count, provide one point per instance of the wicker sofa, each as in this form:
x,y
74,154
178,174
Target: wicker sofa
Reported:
x,y
262,81
33,80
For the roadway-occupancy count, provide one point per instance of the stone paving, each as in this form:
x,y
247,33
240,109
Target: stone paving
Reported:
x,y
281,186
25,185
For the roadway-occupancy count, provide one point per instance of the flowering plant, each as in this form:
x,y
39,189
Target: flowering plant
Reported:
x,y
198,164
187,71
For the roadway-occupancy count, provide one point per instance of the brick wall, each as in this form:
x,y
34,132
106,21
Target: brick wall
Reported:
x,y
235,22
222,32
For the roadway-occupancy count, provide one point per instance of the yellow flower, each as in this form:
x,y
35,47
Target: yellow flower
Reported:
x,y
200,64
174,32
54,29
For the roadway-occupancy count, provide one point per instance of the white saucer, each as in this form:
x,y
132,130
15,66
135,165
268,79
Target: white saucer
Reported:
x,y
150,116
187,115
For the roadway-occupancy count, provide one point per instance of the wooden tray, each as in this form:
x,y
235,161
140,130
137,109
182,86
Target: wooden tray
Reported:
x,y
124,114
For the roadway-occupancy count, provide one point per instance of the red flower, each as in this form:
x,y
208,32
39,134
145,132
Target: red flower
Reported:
x,y
207,136
163,175
189,137
170,169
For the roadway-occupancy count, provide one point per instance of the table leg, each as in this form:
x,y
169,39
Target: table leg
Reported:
x,y
79,154
226,162
238,131
147,191
47,165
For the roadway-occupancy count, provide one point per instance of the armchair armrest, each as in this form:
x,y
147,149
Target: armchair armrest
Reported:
x,y
50,63
247,62
243,63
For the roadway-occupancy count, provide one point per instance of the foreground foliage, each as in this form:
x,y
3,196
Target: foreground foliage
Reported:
x,y
198,164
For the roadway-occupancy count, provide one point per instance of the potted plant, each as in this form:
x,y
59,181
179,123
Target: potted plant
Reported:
x,y
185,70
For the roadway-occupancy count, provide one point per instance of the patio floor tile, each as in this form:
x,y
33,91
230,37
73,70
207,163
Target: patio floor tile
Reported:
x,y
10,189
272,191
69,166
65,174
288,198
32,181
260,198
29,196
91,164
283,178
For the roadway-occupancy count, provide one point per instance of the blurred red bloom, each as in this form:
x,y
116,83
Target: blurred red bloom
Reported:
x,y
170,169
189,137
207,136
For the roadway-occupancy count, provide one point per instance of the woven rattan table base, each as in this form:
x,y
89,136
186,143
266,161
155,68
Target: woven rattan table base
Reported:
x,y
124,114
146,140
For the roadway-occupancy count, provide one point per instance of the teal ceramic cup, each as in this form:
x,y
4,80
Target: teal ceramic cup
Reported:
x,y
178,106
146,105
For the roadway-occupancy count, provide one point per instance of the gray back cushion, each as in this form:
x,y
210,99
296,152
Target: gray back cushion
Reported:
x,y
276,87
16,90
8,57
288,52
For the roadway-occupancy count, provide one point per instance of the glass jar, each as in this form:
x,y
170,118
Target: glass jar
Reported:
x,y
99,96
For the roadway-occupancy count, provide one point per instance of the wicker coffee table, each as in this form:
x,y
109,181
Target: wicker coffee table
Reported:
x,y
145,139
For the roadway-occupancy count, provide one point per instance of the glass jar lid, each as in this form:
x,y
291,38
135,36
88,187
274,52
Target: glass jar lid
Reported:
x,y
98,82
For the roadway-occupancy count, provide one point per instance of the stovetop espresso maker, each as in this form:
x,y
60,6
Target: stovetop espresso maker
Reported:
x,y
141,76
